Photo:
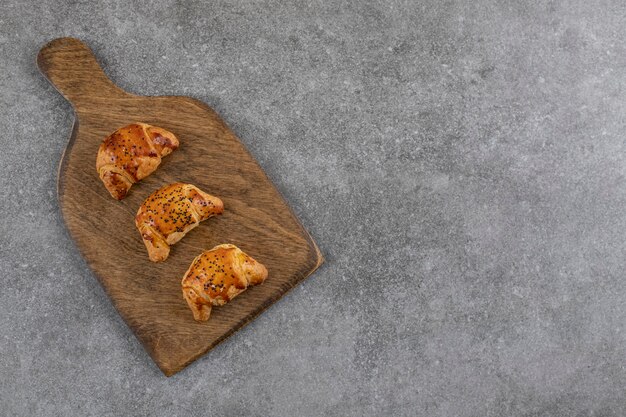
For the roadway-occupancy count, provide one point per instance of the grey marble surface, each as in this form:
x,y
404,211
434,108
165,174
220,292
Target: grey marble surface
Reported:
x,y
461,165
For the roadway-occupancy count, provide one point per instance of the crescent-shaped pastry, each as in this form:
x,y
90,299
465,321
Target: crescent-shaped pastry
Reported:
x,y
169,213
217,276
130,154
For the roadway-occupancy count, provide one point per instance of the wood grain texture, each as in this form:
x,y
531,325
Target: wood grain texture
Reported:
x,y
146,294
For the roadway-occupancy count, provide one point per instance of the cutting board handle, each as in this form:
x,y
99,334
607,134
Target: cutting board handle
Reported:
x,y
71,67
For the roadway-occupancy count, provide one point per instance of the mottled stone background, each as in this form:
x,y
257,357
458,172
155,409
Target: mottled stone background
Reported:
x,y
461,165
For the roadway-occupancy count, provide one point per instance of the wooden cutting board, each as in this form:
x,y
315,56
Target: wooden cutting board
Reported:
x,y
148,295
